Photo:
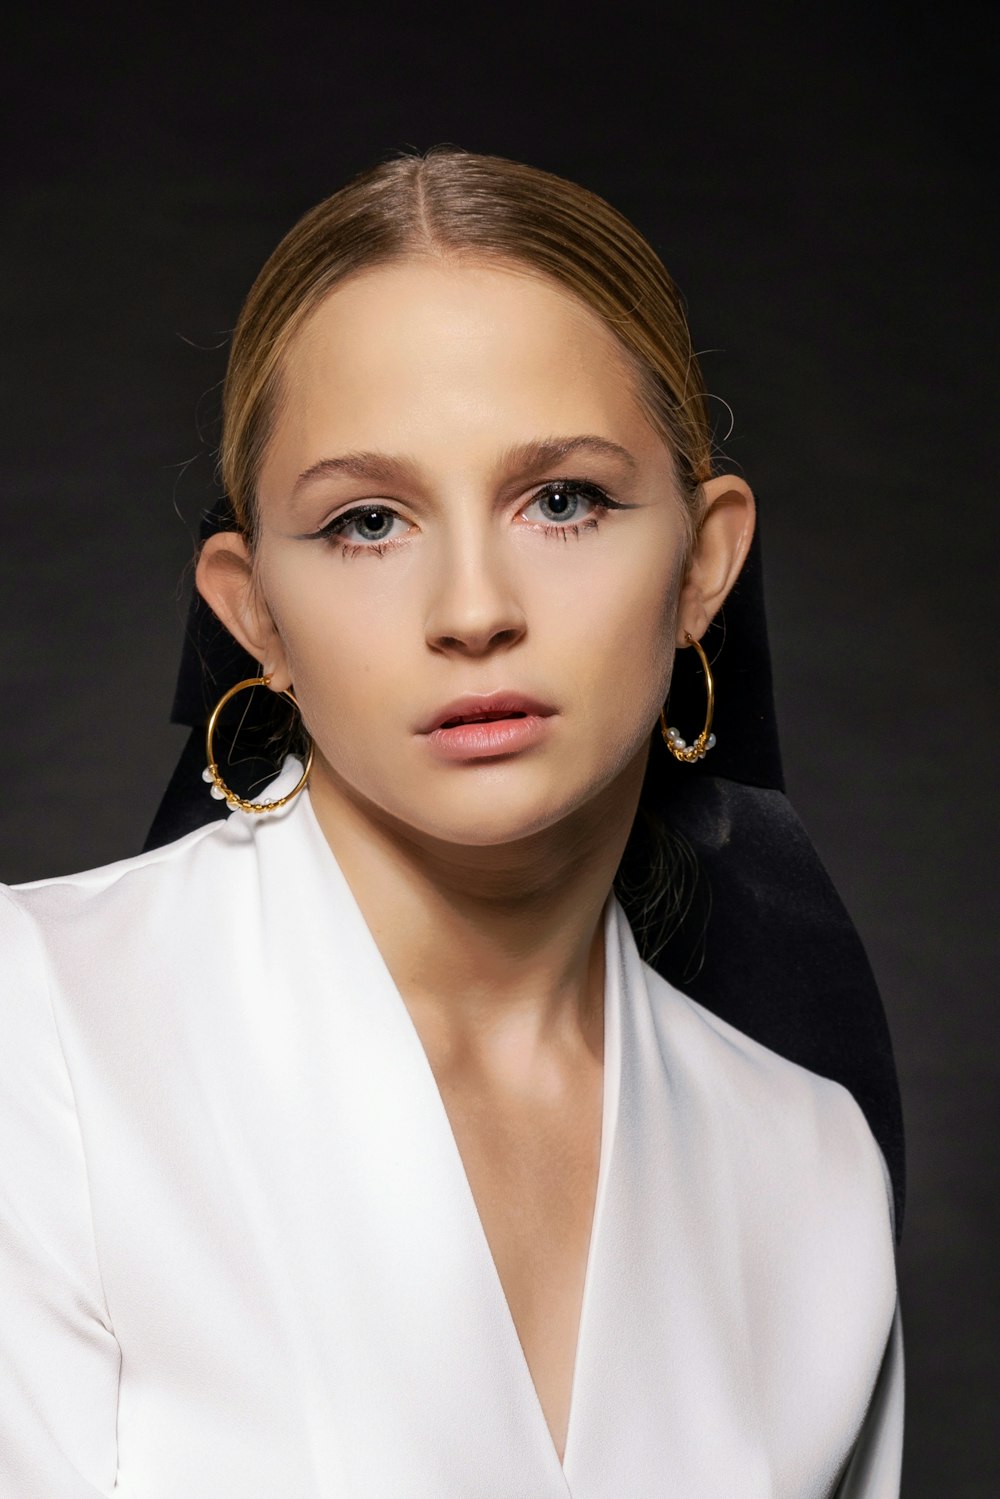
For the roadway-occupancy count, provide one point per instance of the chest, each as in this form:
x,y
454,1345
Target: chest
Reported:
x,y
532,1161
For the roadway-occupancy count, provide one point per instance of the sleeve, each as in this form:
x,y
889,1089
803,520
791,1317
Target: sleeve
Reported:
x,y
874,1469
59,1359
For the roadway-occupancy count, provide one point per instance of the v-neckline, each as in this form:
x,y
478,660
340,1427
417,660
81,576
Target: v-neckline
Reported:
x,y
611,1071
611,1083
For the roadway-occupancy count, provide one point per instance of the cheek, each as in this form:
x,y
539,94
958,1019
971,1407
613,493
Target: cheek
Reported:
x,y
325,607
620,607
343,639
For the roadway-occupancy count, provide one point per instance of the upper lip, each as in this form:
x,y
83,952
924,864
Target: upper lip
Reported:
x,y
475,704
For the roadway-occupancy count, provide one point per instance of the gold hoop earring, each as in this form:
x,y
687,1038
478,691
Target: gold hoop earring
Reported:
x,y
220,790
689,753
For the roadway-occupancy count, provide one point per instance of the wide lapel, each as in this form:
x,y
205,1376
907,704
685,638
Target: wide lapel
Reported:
x,y
663,1400
405,1350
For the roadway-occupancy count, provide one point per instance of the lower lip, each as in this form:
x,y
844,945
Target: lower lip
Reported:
x,y
477,741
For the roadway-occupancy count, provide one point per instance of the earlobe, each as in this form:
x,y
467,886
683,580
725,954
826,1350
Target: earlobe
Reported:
x,y
719,552
224,578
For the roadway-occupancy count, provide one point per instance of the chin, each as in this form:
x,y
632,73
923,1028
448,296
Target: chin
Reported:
x,y
488,819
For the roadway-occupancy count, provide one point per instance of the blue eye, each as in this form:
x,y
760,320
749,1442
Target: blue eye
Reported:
x,y
374,528
372,520
563,497
368,528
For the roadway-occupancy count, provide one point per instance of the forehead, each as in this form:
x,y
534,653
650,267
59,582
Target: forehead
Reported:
x,y
430,346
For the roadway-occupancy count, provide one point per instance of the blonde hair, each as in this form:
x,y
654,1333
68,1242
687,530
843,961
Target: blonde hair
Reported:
x,y
451,201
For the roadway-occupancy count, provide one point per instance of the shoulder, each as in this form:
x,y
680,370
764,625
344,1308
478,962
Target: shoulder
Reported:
x,y
35,905
783,1189
88,923
203,866
99,967
102,937
798,1135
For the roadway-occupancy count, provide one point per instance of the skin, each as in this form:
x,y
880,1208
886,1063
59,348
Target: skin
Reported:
x,y
483,881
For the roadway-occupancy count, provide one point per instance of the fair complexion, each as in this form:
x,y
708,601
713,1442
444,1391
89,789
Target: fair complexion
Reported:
x,y
516,524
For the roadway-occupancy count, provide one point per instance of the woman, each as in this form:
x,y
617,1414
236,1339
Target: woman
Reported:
x,y
356,1149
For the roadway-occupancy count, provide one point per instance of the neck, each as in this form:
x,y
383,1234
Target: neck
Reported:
x,y
488,942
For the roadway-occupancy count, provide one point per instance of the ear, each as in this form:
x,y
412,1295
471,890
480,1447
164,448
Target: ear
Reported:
x,y
225,579
720,548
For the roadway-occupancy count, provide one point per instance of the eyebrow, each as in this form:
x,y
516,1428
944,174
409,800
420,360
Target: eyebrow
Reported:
x,y
521,458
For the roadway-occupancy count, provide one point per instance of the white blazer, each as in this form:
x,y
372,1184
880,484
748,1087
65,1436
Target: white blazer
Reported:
x,y
240,1257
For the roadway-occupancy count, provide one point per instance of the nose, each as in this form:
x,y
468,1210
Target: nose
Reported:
x,y
475,605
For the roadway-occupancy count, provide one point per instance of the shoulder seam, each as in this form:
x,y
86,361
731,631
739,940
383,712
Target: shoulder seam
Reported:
x,y
125,867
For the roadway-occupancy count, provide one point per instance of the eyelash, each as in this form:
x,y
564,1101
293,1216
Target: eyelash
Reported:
x,y
598,497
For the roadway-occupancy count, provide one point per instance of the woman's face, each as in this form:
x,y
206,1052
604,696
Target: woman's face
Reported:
x,y
463,496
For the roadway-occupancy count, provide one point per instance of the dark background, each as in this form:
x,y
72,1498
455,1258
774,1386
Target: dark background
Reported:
x,y
820,183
